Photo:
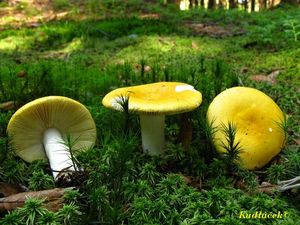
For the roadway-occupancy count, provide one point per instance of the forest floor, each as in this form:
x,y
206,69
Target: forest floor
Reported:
x,y
84,49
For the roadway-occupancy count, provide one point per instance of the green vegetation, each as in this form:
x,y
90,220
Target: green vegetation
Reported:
x,y
103,45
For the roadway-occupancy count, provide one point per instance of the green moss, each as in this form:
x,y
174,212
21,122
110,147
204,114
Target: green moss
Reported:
x,y
84,59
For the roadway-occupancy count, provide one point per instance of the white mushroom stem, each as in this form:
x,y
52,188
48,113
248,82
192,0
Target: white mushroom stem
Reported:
x,y
152,129
57,152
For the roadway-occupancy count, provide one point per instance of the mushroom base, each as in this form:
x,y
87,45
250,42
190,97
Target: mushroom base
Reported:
x,y
152,129
57,152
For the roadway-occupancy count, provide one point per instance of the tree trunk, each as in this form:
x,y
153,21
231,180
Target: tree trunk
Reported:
x,y
221,4
294,2
262,4
245,5
211,4
252,5
191,4
232,4
202,3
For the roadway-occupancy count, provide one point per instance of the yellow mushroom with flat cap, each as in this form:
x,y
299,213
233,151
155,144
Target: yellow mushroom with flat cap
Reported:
x,y
257,119
152,102
37,131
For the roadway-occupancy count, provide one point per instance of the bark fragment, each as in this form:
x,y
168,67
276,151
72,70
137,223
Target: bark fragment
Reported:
x,y
53,199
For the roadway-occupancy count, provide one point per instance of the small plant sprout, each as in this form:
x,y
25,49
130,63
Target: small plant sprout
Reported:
x,y
152,102
284,126
255,115
38,129
40,181
32,210
12,218
230,144
292,28
123,102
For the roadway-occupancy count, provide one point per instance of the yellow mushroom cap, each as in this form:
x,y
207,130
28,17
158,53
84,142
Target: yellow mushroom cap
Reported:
x,y
26,127
257,119
165,98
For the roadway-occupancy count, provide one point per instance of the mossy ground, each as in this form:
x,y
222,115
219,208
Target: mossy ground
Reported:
x,y
85,50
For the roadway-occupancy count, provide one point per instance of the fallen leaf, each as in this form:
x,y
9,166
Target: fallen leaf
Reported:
x,y
192,181
120,62
7,105
267,188
297,141
195,46
244,70
149,16
240,184
147,68
273,75
271,78
33,24
22,73
137,66
214,30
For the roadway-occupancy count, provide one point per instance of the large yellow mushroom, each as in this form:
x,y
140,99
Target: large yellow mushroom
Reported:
x,y
258,121
38,129
152,102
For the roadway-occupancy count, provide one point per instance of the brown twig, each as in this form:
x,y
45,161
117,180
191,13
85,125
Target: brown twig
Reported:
x,y
289,184
53,199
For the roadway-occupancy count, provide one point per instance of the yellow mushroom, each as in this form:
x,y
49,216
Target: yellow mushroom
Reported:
x,y
38,128
257,119
152,102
